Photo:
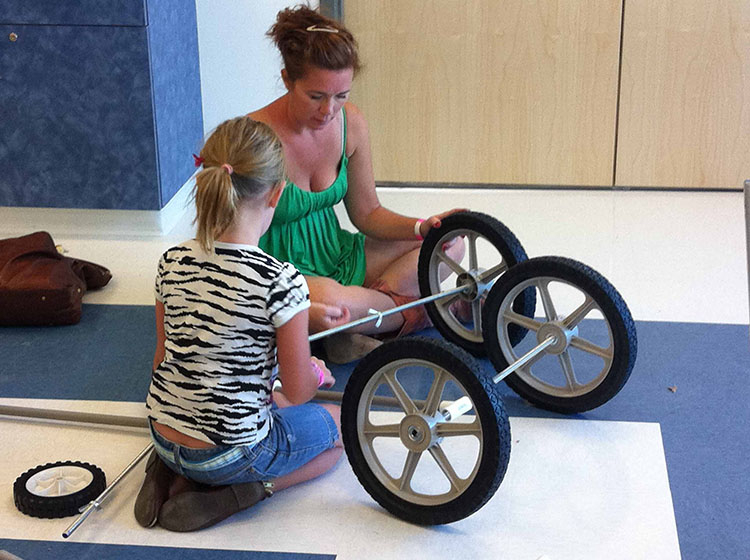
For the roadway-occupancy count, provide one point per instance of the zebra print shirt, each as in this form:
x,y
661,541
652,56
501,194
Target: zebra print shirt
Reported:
x,y
221,312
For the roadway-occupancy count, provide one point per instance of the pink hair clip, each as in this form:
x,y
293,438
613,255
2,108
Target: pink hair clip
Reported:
x,y
198,160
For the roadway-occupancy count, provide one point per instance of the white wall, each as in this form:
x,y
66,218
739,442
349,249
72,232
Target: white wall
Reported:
x,y
240,66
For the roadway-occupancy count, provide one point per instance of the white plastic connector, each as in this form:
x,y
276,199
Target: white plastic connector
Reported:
x,y
453,409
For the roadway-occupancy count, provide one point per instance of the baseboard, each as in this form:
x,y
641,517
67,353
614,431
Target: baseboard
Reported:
x,y
15,221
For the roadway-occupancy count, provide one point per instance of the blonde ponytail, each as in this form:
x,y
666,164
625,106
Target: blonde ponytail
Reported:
x,y
242,160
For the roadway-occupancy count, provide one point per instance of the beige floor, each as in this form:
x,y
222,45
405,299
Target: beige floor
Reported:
x,y
673,256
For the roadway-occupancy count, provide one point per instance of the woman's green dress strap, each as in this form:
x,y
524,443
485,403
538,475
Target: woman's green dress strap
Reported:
x,y
306,232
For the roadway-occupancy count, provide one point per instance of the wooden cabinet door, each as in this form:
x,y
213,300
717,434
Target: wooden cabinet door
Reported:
x,y
486,91
685,98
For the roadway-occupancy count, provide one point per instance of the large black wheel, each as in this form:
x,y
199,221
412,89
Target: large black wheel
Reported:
x,y
58,489
396,412
490,250
595,342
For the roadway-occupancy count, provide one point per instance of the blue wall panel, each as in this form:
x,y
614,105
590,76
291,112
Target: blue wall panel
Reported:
x,y
100,102
76,108
73,12
173,48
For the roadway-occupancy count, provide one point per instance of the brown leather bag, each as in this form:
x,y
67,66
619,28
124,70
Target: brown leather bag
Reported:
x,y
39,286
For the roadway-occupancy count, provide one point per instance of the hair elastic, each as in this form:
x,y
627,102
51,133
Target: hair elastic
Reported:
x,y
228,167
198,160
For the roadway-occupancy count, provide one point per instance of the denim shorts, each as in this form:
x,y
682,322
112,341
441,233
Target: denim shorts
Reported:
x,y
298,435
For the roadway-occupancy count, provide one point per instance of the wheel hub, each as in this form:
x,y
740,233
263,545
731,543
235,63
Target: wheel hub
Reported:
x,y
473,286
417,432
557,331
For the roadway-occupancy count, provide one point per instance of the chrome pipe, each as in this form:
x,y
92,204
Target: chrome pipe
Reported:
x,y
73,416
523,360
96,503
377,315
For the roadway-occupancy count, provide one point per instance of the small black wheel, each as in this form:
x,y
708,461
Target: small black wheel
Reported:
x,y
58,489
490,250
595,342
396,409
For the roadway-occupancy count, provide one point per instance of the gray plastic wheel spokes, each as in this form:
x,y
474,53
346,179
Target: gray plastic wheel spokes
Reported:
x,y
436,391
473,259
570,374
402,484
484,276
571,385
371,431
547,303
453,429
572,320
453,265
492,273
407,405
607,354
59,481
457,483
522,320
410,465
476,313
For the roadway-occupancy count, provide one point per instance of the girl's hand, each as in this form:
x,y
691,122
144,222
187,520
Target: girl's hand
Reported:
x,y
328,378
436,221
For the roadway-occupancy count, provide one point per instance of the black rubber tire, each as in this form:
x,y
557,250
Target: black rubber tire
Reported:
x,y
612,306
492,461
51,507
504,242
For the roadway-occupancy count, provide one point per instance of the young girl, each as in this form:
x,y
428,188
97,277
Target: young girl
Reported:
x,y
229,319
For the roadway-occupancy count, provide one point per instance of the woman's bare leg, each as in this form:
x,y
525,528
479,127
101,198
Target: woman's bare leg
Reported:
x,y
356,299
387,261
395,264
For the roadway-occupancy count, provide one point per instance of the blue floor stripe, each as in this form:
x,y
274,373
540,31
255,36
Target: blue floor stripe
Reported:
x,y
48,550
704,421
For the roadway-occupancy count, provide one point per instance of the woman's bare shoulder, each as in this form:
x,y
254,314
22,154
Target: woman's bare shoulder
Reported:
x,y
268,114
356,127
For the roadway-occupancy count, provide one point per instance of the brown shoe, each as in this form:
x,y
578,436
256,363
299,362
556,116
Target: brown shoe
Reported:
x,y
198,509
154,491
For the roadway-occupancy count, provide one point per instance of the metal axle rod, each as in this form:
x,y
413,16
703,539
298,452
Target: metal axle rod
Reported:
x,y
377,315
523,360
96,504
74,416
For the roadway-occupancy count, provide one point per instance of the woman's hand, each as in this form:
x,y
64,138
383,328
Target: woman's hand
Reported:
x,y
436,221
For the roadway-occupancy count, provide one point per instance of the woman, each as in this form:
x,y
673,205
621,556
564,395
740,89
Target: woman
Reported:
x,y
327,149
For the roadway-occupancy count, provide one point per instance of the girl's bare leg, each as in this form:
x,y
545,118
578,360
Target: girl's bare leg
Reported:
x,y
320,464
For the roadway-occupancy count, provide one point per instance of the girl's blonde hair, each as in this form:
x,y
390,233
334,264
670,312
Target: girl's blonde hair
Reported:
x,y
242,160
